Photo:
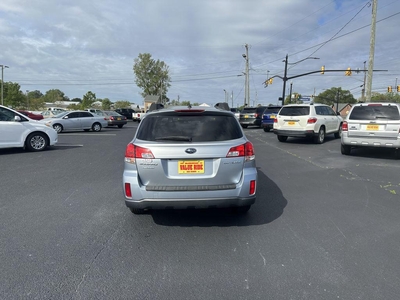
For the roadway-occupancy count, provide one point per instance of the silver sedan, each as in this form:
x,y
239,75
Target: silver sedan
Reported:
x,y
76,120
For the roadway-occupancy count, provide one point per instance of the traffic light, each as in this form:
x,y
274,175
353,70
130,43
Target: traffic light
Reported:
x,y
398,88
269,81
389,89
348,72
323,70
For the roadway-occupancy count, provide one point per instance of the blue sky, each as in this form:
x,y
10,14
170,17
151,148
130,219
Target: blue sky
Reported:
x,y
77,46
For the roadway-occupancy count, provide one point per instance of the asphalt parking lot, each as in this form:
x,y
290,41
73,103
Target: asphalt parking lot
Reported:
x,y
325,226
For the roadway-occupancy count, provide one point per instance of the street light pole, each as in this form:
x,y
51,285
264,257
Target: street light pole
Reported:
x,y
284,80
246,87
2,83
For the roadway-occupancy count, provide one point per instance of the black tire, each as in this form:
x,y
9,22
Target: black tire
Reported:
x,y
120,126
86,130
267,129
320,138
345,149
96,127
241,210
338,134
137,211
58,127
244,126
282,138
37,141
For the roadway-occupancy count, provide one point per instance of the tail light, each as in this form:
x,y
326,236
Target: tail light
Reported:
x,y
128,191
111,118
252,190
276,120
246,150
345,126
132,152
312,120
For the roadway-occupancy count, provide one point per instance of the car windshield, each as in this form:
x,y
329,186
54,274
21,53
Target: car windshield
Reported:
x,y
111,113
60,115
189,128
373,112
295,111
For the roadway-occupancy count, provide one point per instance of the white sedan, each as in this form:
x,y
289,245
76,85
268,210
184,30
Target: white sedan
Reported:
x,y
17,130
76,120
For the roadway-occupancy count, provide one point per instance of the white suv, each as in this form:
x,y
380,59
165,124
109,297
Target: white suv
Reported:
x,y
307,120
372,125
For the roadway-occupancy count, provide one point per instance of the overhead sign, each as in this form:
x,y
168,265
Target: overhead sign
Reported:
x,y
305,99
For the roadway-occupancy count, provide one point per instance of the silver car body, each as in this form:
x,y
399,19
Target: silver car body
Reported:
x,y
15,128
372,125
171,171
76,120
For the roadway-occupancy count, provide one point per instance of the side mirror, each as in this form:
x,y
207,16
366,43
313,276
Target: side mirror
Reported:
x,y
17,119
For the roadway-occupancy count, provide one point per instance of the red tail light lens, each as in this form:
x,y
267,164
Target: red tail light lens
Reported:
x,y
276,120
111,118
345,126
252,190
128,191
312,120
246,150
132,152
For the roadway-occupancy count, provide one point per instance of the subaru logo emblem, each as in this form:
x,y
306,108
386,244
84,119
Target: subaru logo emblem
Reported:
x,y
190,150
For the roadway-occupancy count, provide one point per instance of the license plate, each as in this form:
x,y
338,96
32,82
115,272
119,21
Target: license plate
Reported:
x,y
190,166
372,127
291,123
119,119
272,116
246,116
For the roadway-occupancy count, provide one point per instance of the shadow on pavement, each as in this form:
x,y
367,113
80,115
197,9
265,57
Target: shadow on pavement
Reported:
x,y
269,206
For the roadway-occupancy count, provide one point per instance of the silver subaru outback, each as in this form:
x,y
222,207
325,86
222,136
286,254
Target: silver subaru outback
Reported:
x,y
189,157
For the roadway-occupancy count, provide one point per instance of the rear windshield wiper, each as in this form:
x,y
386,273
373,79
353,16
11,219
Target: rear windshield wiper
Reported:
x,y
174,138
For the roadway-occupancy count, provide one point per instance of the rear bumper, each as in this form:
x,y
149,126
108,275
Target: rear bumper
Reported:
x,y
296,133
370,142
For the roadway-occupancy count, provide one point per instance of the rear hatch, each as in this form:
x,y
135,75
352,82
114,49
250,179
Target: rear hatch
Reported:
x,y
248,113
270,114
374,120
186,152
293,117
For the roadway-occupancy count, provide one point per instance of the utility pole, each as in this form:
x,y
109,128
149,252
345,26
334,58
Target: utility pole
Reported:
x,y
371,51
290,91
284,80
2,82
363,89
247,92
232,98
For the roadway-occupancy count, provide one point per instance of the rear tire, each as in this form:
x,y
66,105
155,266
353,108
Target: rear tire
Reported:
x,y
397,153
319,139
37,141
345,149
244,126
266,129
282,138
96,127
338,134
120,126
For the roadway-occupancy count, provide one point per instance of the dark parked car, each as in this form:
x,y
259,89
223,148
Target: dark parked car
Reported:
x,y
115,119
127,112
269,115
251,116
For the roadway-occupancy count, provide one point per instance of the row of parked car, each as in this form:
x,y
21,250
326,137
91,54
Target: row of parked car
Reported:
x,y
366,125
27,130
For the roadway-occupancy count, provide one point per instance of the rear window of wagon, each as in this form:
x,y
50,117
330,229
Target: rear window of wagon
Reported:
x,y
193,128
373,112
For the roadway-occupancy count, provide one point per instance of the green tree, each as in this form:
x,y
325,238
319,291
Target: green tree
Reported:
x,y
106,104
13,96
35,100
152,76
88,99
54,96
122,104
330,96
387,97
